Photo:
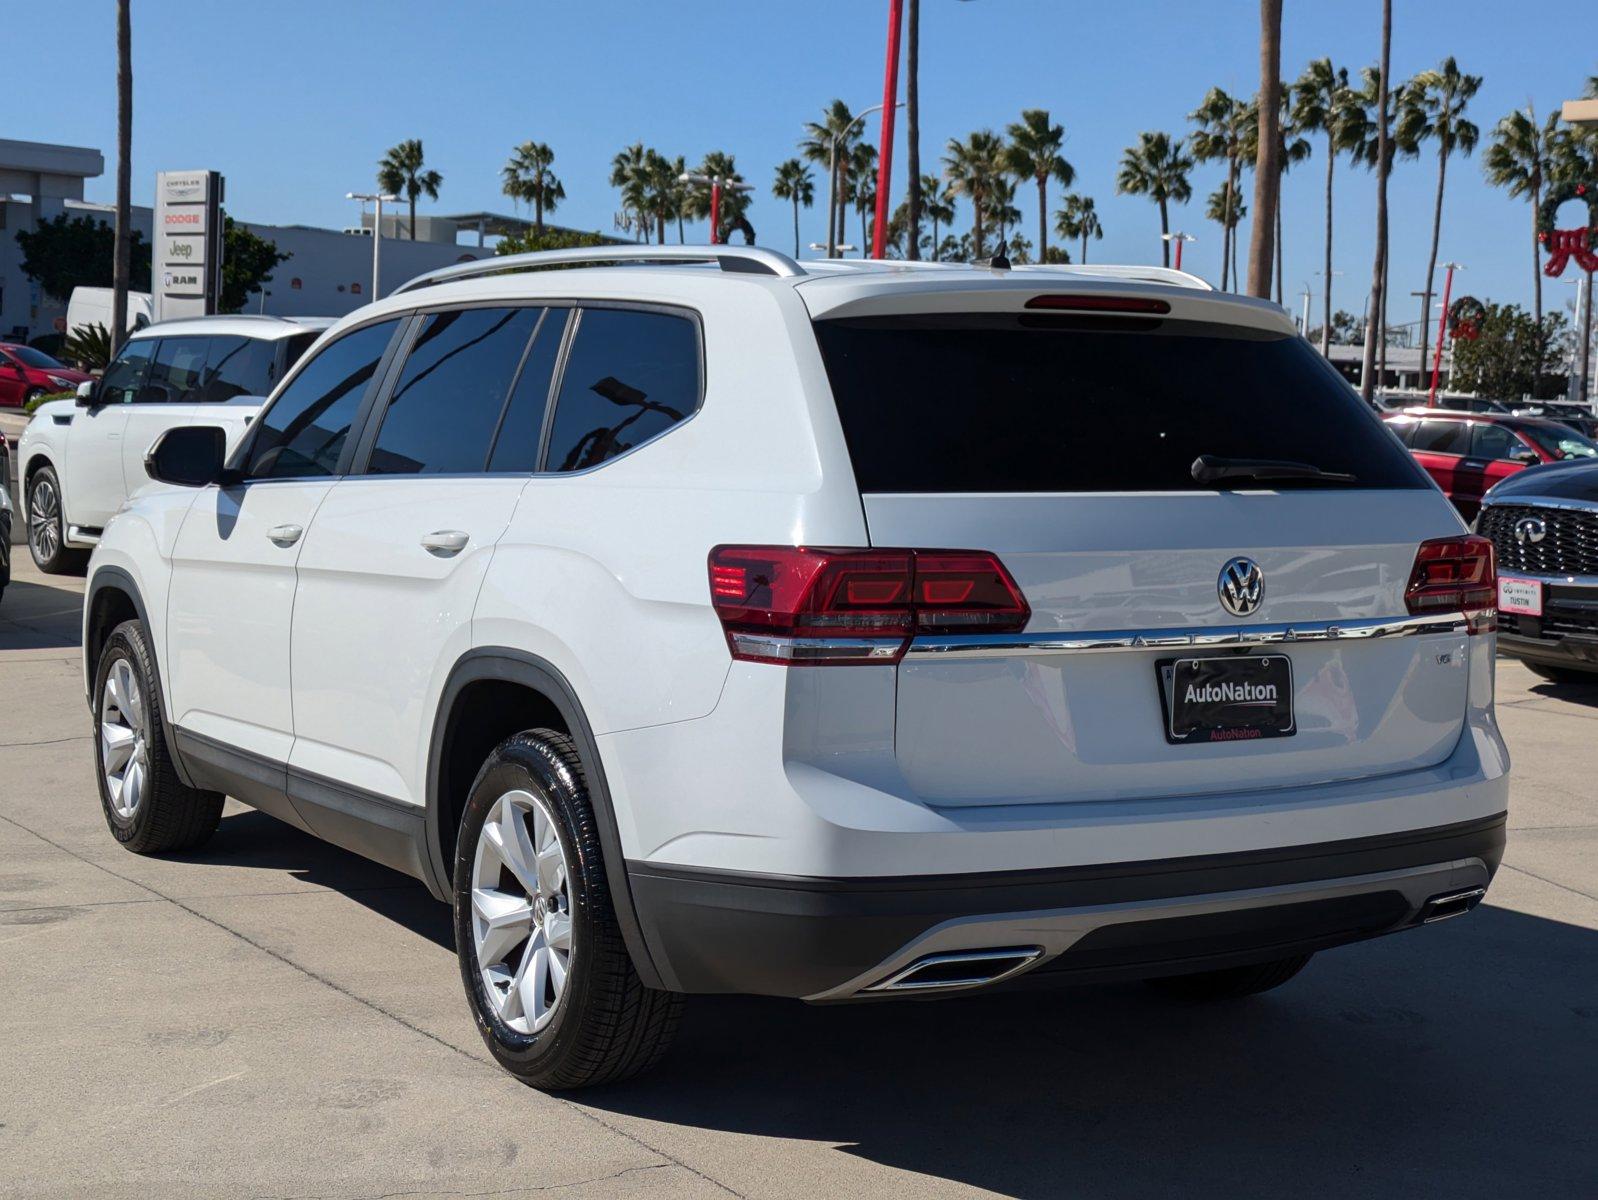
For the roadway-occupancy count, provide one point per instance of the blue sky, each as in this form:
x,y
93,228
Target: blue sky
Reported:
x,y
294,102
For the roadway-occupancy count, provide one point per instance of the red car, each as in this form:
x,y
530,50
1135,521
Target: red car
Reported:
x,y
1468,452
26,373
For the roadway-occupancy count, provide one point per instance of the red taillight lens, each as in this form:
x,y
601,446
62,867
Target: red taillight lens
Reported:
x,y
800,604
1456,574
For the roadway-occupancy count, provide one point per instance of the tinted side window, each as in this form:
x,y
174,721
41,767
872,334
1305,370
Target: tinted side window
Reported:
x,y
1493,441
124,377
304,430
442,413
294,347
175,375
1442,437
516,448
239,366
629,376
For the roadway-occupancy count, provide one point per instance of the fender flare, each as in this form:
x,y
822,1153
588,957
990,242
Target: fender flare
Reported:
x,y
517,666
105,577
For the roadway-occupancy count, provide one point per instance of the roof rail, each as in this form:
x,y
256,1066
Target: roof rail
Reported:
x,y
747,260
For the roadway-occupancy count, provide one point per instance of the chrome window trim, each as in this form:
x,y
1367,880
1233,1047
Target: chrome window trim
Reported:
x,y
1013,645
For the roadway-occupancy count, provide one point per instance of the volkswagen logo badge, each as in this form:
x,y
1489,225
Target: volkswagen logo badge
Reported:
x,y
1530,530
1241,586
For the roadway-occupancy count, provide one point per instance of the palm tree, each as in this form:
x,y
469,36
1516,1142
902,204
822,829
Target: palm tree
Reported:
x,y
912,130
796,184
627,171
122,243
1434,109
974,167
1034,153
1225,208
860,187
1223,125
734,201
1268,152
1520,159
403,169
1324,103
1157,167
1002,212
528,177
1291,149
938,204
835,130
1383,163
1078,220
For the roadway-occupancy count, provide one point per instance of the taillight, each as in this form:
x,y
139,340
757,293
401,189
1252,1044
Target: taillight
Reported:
x,y
1115,304
803,605
1456,574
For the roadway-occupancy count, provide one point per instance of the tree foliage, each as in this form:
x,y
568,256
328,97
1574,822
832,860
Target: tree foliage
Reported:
x,y
69,252
548,239
247,262
1502,361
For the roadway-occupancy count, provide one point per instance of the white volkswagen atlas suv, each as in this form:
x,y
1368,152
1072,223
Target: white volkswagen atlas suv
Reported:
x,y
697,621
80,459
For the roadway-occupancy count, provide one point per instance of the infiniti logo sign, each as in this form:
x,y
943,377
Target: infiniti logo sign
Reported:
x,y
1530,530
1241,586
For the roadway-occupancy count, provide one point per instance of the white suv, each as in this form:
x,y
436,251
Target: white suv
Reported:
x,y
710,623
79,460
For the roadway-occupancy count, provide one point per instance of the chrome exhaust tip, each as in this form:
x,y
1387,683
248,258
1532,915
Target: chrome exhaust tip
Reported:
x,y
959,969
1450,904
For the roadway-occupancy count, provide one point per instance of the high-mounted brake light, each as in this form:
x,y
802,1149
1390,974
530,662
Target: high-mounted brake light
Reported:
x,y
1456,574
1115,304
802,605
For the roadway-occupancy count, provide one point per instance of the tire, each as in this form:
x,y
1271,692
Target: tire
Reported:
x,y
599,1023
47,533
148,808
1572,675
1229,983
30,396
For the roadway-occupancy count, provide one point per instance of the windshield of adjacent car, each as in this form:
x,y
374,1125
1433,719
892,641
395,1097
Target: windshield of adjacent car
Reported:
x,y
1054,403
37,359
1561,443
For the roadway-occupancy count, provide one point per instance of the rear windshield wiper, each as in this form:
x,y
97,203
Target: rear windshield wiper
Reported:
x,y
1212,468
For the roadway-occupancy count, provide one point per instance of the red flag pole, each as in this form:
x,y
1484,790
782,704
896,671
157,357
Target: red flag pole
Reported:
x,y
890,94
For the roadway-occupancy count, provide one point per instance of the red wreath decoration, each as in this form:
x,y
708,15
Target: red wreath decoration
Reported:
x,y
1565,245
1465,317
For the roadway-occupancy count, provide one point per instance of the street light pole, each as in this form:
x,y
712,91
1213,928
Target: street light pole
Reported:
x,y
1179,239
1442,327
717,183
890,93
377,199
1305,328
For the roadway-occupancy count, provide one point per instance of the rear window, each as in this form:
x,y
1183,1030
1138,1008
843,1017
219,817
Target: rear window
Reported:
x,y
1049,403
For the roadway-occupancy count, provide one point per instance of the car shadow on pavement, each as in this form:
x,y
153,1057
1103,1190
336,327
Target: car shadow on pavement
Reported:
x,y
36,616
1460,1060
249,839
1585,694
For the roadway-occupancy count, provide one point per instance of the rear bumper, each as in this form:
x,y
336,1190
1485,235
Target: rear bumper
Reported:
x,y
834,939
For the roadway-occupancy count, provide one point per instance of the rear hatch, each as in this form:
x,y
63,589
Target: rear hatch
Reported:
x,y
1064,440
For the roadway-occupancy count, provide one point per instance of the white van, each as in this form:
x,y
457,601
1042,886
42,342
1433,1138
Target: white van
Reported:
x,y
92,306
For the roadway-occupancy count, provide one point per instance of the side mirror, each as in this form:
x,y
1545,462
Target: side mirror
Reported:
x,y
85,394
188,456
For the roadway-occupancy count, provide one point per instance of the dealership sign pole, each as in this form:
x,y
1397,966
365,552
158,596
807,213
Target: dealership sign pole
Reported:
x,y
187,274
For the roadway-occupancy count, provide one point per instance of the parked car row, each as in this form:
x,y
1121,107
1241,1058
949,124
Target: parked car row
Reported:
x,y
715,623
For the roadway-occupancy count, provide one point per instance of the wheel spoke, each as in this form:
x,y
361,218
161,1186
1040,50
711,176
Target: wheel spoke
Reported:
x,y
135,698
133,787
535,982
558,929
116,745
503,920
551,869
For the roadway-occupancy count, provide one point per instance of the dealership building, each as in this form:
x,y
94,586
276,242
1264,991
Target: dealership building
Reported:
x,y
329,271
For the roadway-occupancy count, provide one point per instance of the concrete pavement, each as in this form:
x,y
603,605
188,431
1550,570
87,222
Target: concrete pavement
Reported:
x,y
274,1017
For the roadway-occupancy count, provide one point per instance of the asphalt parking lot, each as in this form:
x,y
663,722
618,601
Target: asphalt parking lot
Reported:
x,y
275,1017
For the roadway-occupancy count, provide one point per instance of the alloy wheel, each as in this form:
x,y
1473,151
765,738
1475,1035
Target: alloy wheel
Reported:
x,y
44,520
521,911
124,740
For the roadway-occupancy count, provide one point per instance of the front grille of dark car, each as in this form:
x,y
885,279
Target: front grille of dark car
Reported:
x,y
1569,548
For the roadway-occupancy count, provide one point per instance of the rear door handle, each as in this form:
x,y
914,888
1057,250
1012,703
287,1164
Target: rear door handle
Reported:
x,y
284,535
445,543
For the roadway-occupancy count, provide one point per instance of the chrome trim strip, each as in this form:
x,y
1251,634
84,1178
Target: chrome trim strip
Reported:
x,y
1014,645
817,649
1541,502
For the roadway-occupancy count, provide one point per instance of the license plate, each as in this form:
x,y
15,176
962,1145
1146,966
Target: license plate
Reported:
x,y
1227,699
1520,595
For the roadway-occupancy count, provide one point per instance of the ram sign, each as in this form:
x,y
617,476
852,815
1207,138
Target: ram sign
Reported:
x,y
188,243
